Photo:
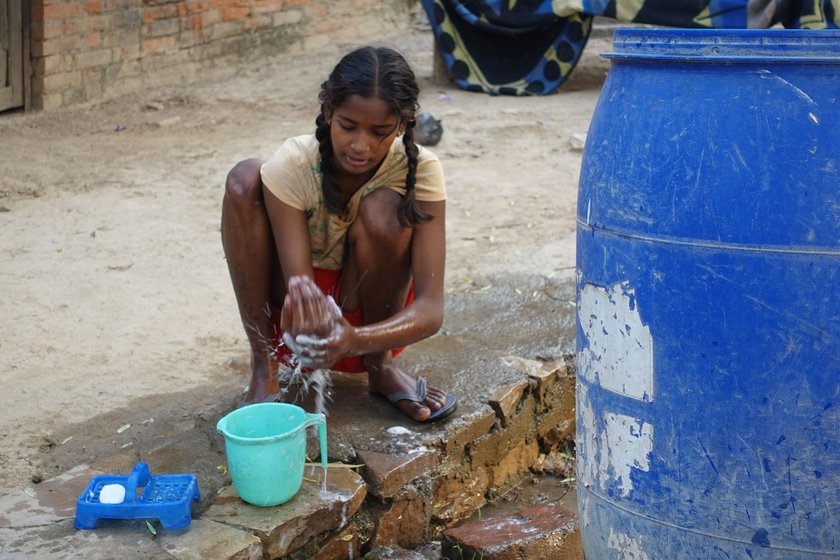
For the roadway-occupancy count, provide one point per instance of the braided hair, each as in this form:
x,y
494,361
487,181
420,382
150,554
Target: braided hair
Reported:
x,y
372,72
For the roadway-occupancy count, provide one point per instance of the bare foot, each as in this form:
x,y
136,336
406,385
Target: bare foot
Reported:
x,y
263,386
388,379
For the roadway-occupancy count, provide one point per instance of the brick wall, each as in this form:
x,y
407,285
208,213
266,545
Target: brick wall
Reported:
x,y
85,50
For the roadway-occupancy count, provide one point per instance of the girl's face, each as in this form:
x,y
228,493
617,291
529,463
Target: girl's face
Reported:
x,y
362,130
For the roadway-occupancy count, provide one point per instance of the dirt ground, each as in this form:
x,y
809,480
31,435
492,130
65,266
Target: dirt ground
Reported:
x,y
116,296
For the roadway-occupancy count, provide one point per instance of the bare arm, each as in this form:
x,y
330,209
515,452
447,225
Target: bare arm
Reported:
x,y
424,316
291,236
305,312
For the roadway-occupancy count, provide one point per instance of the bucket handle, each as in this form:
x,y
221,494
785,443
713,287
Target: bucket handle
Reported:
x,y
318,419
313,419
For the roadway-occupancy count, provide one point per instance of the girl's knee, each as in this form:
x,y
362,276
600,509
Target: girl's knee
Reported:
x,y
377,219
243,180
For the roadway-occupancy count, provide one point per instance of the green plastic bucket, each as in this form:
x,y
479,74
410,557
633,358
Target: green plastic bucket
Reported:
x,y
266,450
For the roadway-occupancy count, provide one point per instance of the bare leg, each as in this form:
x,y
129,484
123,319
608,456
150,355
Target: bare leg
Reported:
x,y
254,270
377,276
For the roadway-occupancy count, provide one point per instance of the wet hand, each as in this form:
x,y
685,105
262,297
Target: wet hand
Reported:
x,y
306,310
314,327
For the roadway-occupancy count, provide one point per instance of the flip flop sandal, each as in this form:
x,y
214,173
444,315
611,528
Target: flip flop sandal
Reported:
x,y
419,396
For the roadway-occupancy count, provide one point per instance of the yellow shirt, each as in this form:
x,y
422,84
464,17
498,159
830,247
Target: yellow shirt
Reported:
x,y
293,175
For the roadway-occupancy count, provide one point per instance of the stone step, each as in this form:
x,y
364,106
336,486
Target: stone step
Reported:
x,y
538,532
310,513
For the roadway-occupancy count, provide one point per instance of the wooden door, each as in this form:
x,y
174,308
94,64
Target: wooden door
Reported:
x,y
11,54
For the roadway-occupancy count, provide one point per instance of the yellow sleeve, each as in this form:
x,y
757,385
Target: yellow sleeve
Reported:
x,y
283,174
430,185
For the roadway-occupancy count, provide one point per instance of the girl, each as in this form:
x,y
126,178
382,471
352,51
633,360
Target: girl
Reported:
x,y
353,214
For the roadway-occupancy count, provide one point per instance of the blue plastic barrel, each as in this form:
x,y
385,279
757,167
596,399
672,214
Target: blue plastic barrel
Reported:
x,y
708,260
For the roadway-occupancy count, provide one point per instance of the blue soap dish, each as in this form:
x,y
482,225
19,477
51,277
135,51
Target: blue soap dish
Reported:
x,y
167,497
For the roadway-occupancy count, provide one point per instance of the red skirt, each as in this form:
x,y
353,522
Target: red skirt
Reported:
x,y
330,283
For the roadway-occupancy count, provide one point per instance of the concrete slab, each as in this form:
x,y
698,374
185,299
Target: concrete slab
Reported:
x,y
45,503
127,540
208,539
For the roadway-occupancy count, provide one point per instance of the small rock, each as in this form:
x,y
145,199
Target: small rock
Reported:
x,y
428,130
577,141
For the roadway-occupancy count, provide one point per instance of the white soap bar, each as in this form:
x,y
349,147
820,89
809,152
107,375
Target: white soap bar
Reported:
x,y
112,494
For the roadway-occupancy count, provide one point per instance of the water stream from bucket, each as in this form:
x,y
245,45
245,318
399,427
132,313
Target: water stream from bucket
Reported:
x,y
320,382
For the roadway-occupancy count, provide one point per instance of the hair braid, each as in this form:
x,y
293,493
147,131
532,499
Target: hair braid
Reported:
x,y
409,213
332,198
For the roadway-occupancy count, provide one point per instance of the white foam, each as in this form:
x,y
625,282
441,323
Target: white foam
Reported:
x,y
399,431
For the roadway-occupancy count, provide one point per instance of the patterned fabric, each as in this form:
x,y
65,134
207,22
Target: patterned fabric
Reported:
x,y
529,47
293,175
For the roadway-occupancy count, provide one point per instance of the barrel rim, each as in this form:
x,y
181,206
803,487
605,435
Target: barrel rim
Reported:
x,y
727,45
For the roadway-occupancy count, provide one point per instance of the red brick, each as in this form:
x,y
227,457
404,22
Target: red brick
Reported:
x,y
125,39
209,17
287,17
192,29
159,44
36,14
517,461
459,494
193,7
94,7
119,5
93,59
226,3
477,424
543,531
262,6
386,473
256,22
92,41
162,28
46,30
165,11
85,25
63,81
61,11
403,521
505,400
235,14
224,30
325,27
55,45
47,64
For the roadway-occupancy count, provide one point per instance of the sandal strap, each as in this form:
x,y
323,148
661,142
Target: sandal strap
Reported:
x,y
418,396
